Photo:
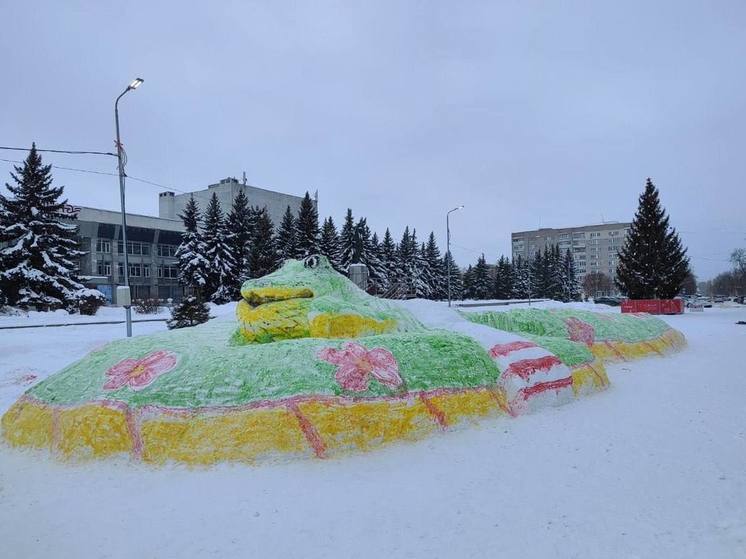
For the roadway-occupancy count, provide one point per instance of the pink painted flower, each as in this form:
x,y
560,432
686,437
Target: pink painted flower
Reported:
x,y
580,331
139,373
356,364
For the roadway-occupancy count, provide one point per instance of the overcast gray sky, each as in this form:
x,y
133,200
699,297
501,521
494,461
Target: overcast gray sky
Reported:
x,y
529,113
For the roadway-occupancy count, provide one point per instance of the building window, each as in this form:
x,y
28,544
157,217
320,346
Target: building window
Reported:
x,y
146,270
170,272
134,247
167,250
103,268
136,270
102,245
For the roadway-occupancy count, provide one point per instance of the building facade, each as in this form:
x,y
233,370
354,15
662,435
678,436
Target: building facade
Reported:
x,y
171,205
152,241
595,247
151,250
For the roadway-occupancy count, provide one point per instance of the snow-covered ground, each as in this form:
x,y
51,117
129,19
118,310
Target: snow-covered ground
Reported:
x,y
653,467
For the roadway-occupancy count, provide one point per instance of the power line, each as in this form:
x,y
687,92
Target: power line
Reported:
x,y
71,152
145,181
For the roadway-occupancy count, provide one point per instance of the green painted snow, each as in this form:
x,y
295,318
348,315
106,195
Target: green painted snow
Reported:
x,y
210,371
551,323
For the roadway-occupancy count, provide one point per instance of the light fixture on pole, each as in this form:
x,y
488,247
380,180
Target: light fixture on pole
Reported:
x,y
448,249
126,295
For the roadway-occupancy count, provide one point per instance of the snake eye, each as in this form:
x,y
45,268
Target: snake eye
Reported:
x,y
311,262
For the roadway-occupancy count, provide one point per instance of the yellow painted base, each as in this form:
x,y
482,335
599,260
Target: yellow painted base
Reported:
x,y
304,428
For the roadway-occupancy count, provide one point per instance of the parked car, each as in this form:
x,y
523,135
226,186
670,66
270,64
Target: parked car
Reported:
x,y
611,301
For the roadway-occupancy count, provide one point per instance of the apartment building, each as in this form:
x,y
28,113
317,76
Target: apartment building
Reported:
x,y
595,247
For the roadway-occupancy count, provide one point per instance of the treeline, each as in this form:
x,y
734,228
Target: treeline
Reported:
x,y
732,282
218,251
549,275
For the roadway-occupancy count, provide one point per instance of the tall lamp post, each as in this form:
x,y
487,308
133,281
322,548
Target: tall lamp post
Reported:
x,y
448,249
127,309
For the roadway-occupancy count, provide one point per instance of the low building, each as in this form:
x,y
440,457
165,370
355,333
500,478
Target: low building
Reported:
x,y
594,247
151,250
152,241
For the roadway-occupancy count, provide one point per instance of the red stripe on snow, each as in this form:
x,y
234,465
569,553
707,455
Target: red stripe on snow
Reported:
x,y
436,412
310,432
133,425
615,350
527,367
501,350
540,387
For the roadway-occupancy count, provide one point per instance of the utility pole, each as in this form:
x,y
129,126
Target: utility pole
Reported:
x,y
448,249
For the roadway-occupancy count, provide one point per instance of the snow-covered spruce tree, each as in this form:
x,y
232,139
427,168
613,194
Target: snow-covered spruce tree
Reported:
x,y
364,252
554,273
652,263
347,243
262,252
569,277
239,226
424,279
388,258
307,229
220,285
408,268
503,284
538,273
521,279
450,268
193,266
190,312
38,267
481,279
286,244
329,243
468,283
437,270
379,276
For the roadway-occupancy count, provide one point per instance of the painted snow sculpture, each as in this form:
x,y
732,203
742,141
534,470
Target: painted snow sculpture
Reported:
x,y
316,367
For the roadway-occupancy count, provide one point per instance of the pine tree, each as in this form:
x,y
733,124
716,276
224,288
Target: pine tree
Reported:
x,y
451,269
239,227
263,252
406,271
503,285
553,273
190,312
522,288
652,263
329,243
193,266
380,280
468,283
570,285
307,229
38,267
538,274
424,277
436,269
220,284
287,246
481,279
347,243
388,258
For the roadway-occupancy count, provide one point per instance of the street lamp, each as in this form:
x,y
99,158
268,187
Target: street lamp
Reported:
x,y
448,249
127,309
